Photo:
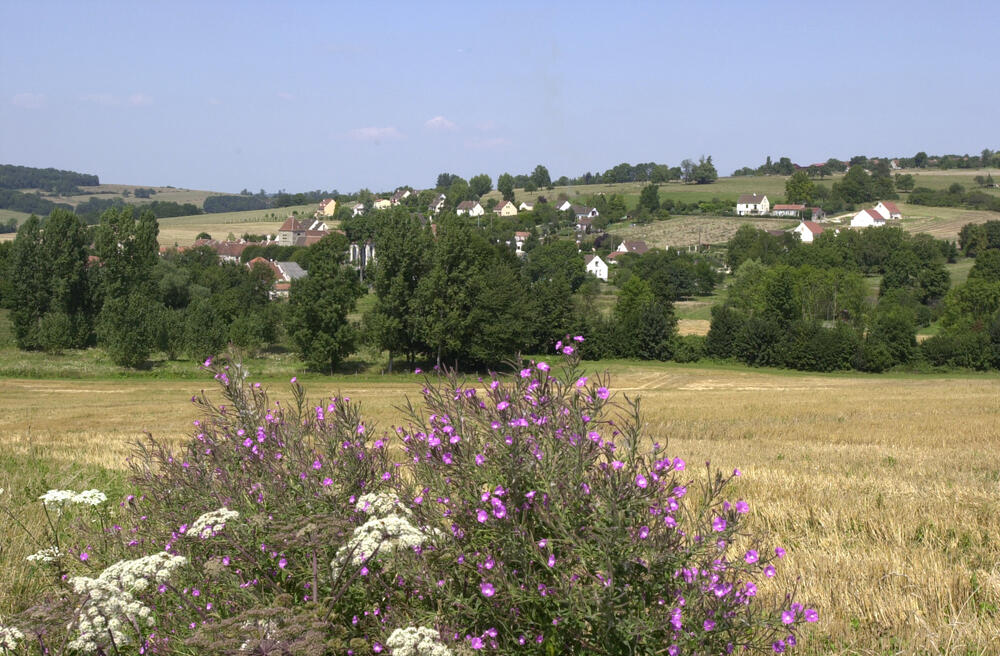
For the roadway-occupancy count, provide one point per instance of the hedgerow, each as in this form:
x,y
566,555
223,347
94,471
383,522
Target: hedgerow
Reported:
x,y
521,514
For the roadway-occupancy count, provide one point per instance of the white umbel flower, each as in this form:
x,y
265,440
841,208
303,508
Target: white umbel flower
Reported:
x,y
381,534
46,555
211,523
110,608
381,504
53,497
87,497
90,498
10,636
416,641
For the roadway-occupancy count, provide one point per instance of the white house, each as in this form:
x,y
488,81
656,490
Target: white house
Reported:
x,y
867,219
808,231
382,203
563,206
752,205
637,246
399,196
582,211
357,209
470,207
596,266
888,210
526,206
437,204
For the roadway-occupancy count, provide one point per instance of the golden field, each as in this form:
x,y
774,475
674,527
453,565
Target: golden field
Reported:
x,y
884,489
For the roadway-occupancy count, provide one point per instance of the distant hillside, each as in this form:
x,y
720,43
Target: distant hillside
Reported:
x,y
26,177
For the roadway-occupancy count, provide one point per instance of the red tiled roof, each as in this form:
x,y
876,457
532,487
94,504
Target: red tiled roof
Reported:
x,y
891,207
291,224
794,208
813,227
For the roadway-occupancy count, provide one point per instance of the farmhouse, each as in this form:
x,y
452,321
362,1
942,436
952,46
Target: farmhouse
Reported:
x,y
787,210
357,209
563,206
596,266
327,207
867,219
525,206
470,207
437,204
292,231
581,212
400,196
283,273
752,205
296,232
228,251
637,246
888,210
808,231
505,208
381,203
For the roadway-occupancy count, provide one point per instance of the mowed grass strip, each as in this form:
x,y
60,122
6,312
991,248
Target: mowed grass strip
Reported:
x,y
884,489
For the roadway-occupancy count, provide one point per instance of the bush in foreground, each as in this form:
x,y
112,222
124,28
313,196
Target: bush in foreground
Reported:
x,y
530,516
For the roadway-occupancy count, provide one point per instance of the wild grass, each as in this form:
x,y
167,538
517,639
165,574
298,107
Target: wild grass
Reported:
x,y
685,231
884,489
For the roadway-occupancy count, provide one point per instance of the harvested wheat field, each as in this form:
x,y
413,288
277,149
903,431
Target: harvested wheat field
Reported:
x,y
884,490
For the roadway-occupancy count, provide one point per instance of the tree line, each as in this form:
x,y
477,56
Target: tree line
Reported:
x,y
69,285
784,166
50,179
807,306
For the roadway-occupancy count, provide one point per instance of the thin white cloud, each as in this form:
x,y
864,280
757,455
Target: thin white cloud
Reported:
x,y
479,143
487,125
139,100
29,100
440,123
284,95
377,134
105,99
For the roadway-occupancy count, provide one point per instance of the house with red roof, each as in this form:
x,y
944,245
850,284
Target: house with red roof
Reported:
x,y
327,207
808,231
888,210
867,218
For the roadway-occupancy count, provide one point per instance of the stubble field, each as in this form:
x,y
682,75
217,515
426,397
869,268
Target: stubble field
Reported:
x,y
885,490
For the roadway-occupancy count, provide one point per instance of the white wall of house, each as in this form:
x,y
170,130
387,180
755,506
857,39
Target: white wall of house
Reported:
x,y
749,209
885,212
864,220
598,268
804,233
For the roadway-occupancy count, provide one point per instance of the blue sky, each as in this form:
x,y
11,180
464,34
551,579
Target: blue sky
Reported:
x,y
309,95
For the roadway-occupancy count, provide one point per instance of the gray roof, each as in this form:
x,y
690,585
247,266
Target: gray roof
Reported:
x,y
292,270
